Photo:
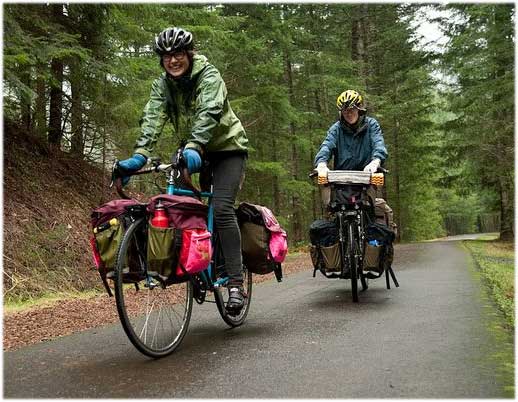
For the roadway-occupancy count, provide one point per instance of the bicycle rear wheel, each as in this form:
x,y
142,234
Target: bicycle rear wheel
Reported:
x,y
221,296
154,317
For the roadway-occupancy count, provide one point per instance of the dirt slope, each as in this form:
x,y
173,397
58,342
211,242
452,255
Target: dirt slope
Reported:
x,y
47,202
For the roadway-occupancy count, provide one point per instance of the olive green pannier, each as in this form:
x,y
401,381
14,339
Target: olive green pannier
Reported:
x,y
109,223
162,254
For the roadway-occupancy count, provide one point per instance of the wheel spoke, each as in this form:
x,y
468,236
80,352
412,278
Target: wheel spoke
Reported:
x,y
149,316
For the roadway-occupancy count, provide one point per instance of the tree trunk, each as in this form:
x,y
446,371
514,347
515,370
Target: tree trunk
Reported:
x,y
503,18
275,182
295,201
315,193
56,92
359,38
40,109
77,138
26,100
506,208
56,105
395,173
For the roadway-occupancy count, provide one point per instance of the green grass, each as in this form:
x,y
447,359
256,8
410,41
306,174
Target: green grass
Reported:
x,y
495,261
46,263
48,299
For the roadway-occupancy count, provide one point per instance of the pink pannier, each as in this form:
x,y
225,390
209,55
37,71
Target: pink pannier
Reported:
x,y
195,253
279,246
278,243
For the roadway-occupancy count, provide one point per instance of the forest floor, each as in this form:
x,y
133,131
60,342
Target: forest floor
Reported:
x,y
64,317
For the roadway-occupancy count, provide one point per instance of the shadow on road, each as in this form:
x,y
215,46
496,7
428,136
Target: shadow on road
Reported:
x,y
340,298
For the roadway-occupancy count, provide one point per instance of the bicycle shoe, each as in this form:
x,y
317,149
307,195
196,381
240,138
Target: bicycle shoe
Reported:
x,y
236,300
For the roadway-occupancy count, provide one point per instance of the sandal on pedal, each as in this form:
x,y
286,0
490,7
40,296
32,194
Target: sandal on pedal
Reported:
x,y
236,300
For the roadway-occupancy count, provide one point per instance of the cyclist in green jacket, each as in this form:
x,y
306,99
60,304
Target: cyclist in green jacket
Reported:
x,y
192,95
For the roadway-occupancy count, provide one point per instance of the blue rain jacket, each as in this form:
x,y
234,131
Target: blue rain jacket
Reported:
x,y
352,150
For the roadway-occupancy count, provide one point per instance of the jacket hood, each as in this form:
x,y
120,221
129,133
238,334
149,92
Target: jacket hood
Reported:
x,y
357,128
199,62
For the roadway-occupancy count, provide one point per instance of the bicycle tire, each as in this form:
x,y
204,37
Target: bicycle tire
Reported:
x,y
351,251
147,332
221,301
361,251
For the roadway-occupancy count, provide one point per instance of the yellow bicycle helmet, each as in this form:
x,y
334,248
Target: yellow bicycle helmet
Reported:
x,y
348,99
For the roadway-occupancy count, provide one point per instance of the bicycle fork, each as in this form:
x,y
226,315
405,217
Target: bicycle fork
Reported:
x,y
350,242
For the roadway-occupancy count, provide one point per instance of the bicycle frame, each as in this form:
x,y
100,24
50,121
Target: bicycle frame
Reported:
x,y
196,285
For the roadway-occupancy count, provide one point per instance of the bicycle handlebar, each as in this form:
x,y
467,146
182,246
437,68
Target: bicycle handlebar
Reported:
x,y
177,164
380,170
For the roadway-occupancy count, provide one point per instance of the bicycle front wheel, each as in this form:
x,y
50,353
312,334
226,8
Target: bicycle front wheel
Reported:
x,y
353,263
154,317
221,296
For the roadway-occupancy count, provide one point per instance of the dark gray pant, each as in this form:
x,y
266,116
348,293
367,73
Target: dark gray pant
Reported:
x,y
227,171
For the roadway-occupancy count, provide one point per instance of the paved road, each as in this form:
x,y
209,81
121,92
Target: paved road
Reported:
x,y
304,338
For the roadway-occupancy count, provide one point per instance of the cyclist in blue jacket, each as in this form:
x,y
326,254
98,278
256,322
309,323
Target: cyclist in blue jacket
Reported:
x,y
355,141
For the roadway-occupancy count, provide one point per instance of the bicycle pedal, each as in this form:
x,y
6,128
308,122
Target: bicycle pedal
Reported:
x,y
151,284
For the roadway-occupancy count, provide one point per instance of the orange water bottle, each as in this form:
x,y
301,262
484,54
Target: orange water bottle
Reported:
x,y
160,219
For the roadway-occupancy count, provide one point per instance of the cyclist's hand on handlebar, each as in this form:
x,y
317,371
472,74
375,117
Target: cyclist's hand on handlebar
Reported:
x,y
322,171
192,159
130,165
373,166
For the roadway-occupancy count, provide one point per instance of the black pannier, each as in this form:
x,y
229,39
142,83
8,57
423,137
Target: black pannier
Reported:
x,y
256,240
325,248
323,233
379,249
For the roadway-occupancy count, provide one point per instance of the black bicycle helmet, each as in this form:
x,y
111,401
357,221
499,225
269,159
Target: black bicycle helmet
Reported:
x,y
173,39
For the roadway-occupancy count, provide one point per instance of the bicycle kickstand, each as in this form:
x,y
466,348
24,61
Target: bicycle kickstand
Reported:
x,y
393,275
390,271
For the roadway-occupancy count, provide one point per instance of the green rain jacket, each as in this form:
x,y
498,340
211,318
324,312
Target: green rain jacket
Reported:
x,y
197,105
